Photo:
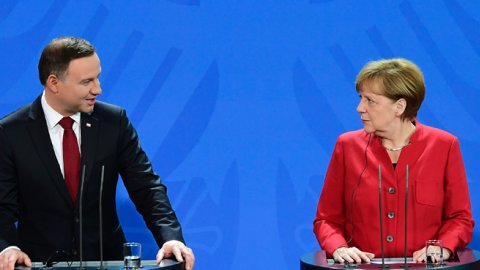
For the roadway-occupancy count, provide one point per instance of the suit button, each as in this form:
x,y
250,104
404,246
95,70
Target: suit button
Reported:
x,y
389,238
76,219
74,252
391,214
391,190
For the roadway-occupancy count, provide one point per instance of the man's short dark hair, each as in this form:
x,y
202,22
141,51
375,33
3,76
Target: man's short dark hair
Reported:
x,y
57,55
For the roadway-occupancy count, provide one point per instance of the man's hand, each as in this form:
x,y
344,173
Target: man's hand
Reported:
x,y
351,255
176,248
12,256
421,256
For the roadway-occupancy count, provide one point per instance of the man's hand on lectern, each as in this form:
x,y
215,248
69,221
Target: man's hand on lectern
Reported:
x,y
11,256
179,250
351,255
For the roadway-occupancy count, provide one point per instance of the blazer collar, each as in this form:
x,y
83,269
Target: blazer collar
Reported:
x,y
409,154
415,138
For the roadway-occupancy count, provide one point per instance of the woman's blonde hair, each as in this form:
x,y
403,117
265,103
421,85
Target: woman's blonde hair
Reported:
x,y
399,78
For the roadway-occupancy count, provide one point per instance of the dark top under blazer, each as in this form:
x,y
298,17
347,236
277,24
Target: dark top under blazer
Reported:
x,y
33,190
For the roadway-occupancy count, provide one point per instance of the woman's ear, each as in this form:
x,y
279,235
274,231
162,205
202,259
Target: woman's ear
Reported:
x,y
401,105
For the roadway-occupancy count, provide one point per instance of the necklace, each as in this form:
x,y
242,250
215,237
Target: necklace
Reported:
x,y
400,148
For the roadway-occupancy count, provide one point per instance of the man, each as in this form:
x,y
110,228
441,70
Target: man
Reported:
x,y
66,135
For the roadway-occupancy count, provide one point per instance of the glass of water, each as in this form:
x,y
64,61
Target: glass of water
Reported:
x,y
132,255
434,252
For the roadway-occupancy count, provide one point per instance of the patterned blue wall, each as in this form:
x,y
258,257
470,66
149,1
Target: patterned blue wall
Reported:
x,y
239,103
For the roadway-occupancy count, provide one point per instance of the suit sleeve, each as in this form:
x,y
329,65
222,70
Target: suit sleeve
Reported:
x,y
144,186
8,195
457,222
329,223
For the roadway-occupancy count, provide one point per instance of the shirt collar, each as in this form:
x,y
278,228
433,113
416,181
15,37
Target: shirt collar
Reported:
x,y
53,117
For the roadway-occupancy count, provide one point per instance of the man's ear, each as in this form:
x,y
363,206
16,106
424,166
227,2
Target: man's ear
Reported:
x,y
52,83
401,106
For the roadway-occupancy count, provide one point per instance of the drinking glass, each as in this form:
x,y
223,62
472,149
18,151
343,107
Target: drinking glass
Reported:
x,y
434,252
132,254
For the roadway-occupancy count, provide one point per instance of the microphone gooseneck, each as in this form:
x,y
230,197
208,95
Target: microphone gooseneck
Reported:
x,y
381,213
406,218
100,206
80,207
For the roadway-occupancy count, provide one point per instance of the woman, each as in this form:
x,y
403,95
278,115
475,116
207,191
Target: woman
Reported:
x,y
347,223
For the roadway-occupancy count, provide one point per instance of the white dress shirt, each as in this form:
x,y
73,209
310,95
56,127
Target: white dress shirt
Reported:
x,y
56,130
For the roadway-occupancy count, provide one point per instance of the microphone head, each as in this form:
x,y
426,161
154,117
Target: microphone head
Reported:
x,y
380,175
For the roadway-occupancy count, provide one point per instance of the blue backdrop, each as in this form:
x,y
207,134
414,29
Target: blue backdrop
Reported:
x,y
239,103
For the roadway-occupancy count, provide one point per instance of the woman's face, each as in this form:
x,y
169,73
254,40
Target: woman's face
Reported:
x,y
378,113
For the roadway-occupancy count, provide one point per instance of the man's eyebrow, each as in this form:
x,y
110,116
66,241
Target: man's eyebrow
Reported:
x,y
91,78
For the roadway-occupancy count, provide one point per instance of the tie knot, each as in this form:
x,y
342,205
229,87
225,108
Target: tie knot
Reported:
x,y
66,123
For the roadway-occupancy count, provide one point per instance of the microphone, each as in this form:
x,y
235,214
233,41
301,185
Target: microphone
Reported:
x,y
406,216
80,207
381,213
101,220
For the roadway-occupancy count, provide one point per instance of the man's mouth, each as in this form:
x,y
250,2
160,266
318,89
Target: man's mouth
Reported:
x,y
90,101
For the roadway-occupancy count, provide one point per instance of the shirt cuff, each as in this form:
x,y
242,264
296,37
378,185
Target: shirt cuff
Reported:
x,y
10,247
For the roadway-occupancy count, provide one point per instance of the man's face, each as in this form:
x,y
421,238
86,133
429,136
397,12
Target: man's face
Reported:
x,y
81,86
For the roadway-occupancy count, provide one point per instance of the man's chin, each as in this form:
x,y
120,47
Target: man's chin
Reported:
x,y
87,109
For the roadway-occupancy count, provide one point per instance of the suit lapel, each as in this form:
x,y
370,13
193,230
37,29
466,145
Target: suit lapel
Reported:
x,y
38,130
89,130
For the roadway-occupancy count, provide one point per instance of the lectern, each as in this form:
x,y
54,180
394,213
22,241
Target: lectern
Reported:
x,y
467,259
166,264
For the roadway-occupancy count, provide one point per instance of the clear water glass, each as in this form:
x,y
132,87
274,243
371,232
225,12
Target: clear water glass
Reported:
x,y
132,255
434,252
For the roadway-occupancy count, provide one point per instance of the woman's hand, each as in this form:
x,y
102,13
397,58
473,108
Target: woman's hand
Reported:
x,y
351,255
420,256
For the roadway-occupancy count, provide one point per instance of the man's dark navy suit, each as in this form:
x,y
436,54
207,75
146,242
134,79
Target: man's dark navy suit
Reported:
x,y
33,190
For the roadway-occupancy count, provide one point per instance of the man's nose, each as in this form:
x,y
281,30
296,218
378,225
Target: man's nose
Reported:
x,y
96,89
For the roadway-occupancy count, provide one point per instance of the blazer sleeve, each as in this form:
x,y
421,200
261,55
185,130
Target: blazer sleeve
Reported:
x,y
457,222
145,187
329,223
8,195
